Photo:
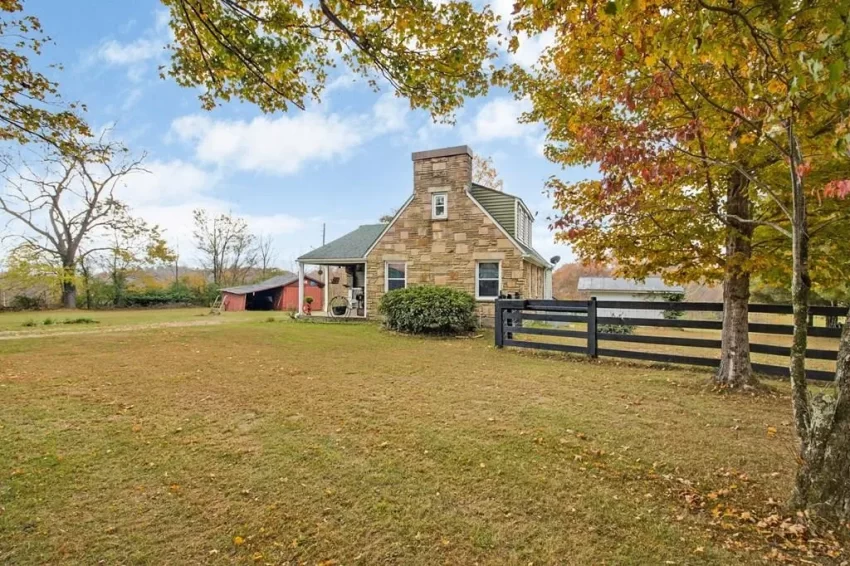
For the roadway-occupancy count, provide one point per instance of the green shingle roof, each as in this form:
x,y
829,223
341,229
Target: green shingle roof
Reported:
x,y
502,207
353,245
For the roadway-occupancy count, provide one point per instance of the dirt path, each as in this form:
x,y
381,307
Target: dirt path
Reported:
x,y
20,335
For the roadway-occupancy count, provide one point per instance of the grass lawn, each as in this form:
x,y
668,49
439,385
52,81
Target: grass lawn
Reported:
x,y
28,322
254,442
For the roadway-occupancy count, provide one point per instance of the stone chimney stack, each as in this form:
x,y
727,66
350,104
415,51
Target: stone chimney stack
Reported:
x,y
446,170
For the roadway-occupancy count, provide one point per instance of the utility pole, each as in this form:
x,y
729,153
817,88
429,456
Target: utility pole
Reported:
x,y
323,233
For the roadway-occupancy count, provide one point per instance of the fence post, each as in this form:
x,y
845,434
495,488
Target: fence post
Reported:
x,y
499,324
591,327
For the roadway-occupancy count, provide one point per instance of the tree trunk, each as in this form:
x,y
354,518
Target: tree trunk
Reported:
x,y
823,423
736,370
822,485
69,294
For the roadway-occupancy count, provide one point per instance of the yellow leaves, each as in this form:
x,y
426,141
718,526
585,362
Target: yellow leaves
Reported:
x,y
747,138
776,86
238,541
771,431
650,60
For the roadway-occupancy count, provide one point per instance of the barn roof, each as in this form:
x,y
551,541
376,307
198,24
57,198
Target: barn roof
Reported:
x,y
277,281
353,245
649,285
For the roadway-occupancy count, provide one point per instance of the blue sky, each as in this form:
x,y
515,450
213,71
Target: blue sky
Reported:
x,y
343,162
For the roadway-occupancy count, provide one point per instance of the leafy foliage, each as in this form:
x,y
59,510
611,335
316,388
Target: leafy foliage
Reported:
x,y
428,309
673,313
30,107
616,329
277,53
679,114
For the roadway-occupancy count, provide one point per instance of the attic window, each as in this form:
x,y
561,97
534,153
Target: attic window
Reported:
x,y
439,206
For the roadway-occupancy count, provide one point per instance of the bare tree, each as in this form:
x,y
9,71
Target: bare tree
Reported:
x,y
65,201
266,253
226,245
388,217
484,173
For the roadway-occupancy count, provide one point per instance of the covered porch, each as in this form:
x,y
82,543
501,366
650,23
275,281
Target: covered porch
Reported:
x,y
341,265
344,288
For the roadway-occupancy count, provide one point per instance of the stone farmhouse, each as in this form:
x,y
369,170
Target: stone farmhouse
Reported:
x,y
450,231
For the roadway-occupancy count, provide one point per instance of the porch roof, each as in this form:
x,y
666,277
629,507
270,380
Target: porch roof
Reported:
x,y
353,245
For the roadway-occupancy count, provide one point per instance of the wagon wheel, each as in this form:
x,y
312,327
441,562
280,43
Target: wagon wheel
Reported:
x,y
339,307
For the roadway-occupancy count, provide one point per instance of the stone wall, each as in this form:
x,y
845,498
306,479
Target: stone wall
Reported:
x,y
444,252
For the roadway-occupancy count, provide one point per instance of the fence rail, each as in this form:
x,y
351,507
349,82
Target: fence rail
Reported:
x,y
513,316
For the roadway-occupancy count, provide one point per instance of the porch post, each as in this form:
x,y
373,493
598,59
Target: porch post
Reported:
x,y
325,296
300,287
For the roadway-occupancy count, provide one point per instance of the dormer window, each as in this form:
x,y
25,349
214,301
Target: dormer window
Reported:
x,y
439,206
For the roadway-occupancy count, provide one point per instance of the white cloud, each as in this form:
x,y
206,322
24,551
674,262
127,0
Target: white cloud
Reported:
x,y
167,192
167,182
134,54
390,113
134,96
284,145
499,119
530,48
272,145
116,53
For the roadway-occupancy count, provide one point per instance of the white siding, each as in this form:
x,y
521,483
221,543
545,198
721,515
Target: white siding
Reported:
x,y
629,313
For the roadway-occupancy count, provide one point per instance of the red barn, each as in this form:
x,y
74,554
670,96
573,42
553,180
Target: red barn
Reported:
x,y
276,294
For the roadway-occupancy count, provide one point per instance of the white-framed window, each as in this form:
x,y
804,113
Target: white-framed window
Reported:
x,y
488,279
439,206
395,275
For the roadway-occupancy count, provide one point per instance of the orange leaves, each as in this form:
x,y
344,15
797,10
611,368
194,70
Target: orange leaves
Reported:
x,y
837,189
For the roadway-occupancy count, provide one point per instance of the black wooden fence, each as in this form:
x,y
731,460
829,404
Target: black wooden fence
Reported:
x,y
514,315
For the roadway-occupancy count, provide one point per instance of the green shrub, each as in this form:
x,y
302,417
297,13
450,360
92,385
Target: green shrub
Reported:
x,y
27,303
81,320
47,321
616,329
29,323
428,309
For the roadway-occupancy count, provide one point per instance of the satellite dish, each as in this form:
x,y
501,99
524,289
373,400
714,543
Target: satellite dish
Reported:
x,y
555,259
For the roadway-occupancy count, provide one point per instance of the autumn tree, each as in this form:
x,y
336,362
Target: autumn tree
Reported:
x,y
277,53
61,203
484,173
663,105
128,248
30,105
226,245
565,279
705,119
29,272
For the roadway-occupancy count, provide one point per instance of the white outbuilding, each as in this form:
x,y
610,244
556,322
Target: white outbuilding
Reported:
x,y
652,289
